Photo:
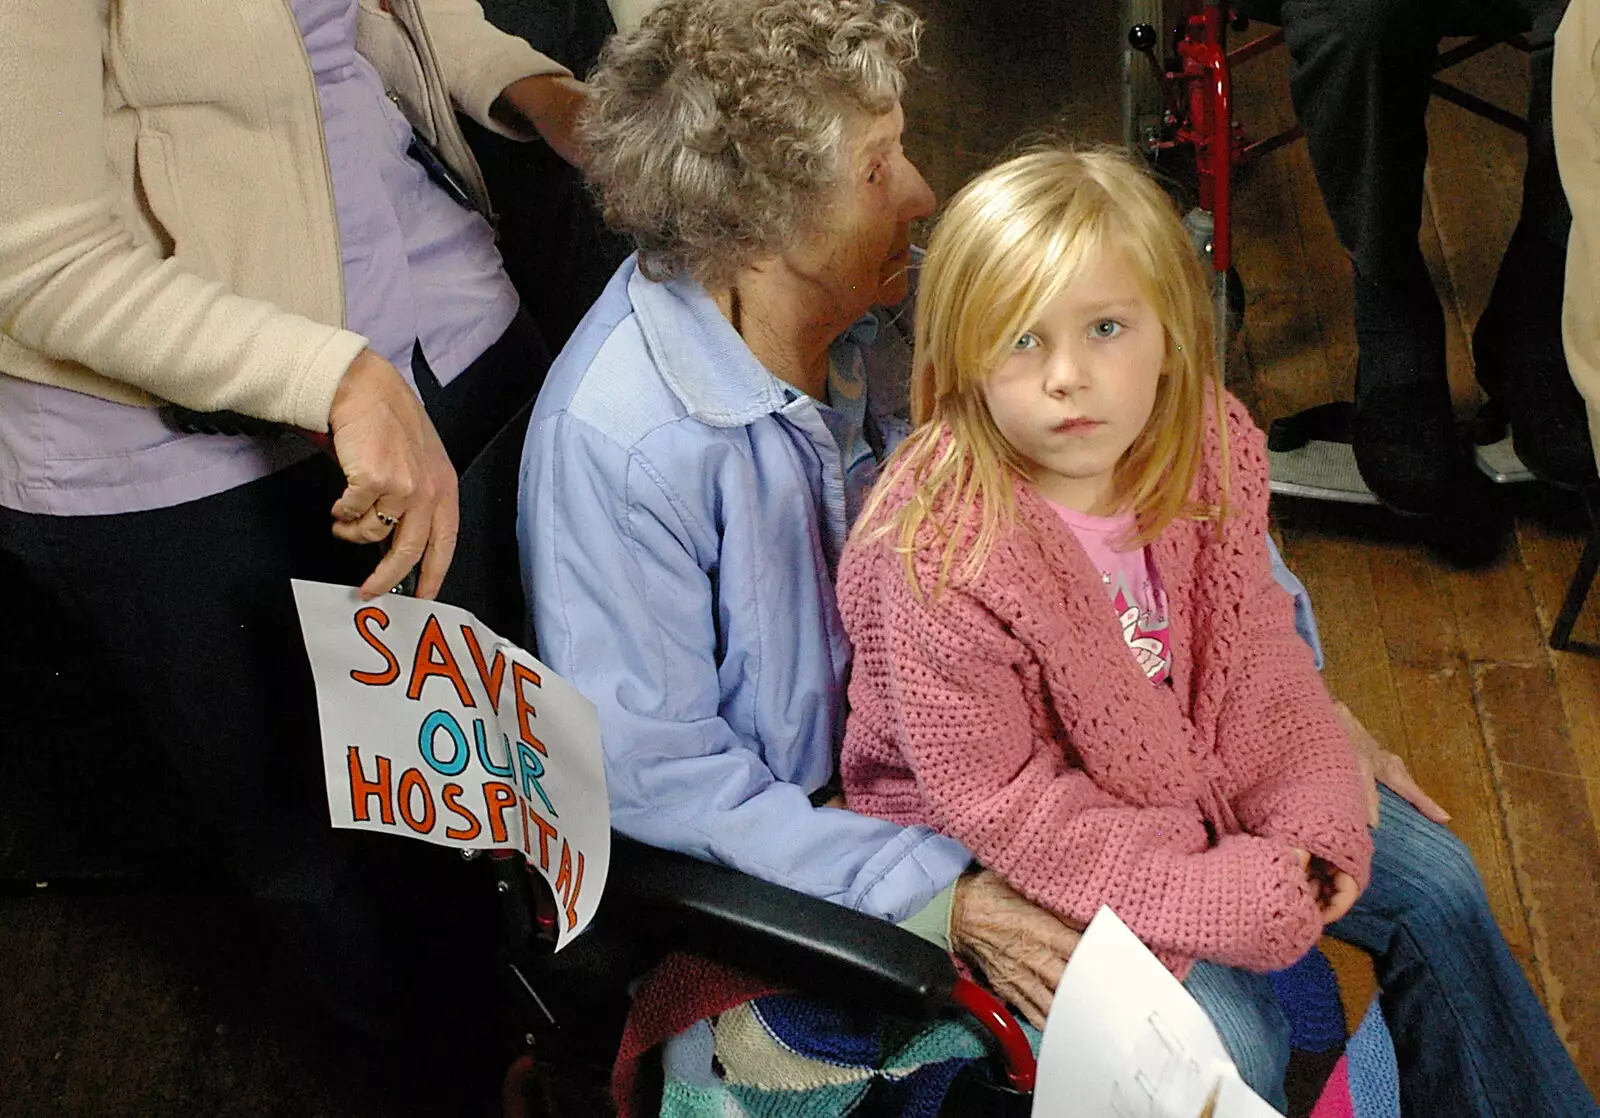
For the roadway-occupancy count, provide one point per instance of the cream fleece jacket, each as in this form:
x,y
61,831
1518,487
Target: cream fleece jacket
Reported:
x,y
167,223
1575,106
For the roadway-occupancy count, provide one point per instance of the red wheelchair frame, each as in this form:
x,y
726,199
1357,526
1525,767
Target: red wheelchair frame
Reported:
x,y
1194,72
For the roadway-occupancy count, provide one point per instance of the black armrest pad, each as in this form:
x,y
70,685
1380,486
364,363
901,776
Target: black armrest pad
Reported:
x,y
786,937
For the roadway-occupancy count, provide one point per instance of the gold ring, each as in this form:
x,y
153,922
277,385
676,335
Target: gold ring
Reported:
x,y
385,519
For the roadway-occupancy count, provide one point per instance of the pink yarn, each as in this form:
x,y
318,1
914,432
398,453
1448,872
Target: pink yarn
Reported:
x,y
1335,1100
1008,713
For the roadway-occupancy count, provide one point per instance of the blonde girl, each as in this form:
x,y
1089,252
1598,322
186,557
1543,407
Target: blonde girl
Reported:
x,y
1070,651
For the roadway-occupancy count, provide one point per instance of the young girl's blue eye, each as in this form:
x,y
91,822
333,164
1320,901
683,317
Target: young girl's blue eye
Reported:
x,y
1027,341
1106,328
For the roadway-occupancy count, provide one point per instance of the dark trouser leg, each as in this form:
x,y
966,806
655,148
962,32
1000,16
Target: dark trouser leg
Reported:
x,y
1360,83
1517,345
1360,78
470,410
557,250
481,417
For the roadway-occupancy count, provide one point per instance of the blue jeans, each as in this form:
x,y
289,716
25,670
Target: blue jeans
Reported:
x,y
1469,1033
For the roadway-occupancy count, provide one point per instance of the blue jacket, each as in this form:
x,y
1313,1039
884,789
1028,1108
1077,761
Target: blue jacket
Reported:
x,y
681,512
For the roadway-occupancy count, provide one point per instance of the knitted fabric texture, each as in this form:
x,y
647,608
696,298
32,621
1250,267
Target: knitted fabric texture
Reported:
x,y
1374,1069
681,990
1007,712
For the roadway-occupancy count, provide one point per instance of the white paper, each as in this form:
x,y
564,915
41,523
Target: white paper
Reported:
x,y
1125,1040
436,728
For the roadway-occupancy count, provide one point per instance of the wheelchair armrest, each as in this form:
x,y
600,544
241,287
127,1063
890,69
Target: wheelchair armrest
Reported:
x,y
786,937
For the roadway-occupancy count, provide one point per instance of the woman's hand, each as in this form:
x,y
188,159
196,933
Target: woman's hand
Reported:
x,y
398,477
550,104
1378,764
1020,947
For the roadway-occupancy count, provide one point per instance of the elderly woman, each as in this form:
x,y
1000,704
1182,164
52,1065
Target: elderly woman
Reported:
x,y
693,464
699,450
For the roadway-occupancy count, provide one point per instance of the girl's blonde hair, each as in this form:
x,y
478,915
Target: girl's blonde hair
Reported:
x,y
1009,242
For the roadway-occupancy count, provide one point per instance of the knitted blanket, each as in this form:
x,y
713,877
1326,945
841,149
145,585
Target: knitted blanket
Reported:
x,y
734,1049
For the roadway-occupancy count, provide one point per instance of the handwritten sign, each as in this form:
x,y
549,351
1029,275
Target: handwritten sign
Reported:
x,y
435,728
1124,1039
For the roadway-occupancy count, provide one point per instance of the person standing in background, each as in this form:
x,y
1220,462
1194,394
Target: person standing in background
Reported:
x,y
268,210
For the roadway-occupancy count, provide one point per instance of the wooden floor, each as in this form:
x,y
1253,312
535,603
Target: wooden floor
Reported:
x,y
159,1005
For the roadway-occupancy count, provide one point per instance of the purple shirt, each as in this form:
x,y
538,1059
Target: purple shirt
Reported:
x,y
417,267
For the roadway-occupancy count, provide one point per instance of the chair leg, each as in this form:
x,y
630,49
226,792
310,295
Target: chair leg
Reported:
x,y
1583,577
1577,591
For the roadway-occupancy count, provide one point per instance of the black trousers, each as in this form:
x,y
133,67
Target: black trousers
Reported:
x,y
1360,83
179,628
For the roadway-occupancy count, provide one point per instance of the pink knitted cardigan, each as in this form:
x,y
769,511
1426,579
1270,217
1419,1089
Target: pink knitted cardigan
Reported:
x,y
1008,713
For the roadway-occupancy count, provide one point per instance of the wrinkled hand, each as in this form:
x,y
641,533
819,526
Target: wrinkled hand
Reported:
x,y
1379,765
549,103
1020,947
398,477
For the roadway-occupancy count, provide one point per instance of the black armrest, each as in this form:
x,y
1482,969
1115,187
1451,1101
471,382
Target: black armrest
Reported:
x,y
778,934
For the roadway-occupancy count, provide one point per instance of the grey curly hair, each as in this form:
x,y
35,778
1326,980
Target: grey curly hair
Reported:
x,y
717,129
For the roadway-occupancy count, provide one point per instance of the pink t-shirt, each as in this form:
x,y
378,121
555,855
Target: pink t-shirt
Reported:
x,y
1132,583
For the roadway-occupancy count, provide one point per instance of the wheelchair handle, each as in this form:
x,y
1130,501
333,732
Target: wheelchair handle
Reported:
x,y
1021,1066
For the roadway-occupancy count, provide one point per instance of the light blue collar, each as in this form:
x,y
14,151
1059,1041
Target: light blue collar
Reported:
x,y
702,358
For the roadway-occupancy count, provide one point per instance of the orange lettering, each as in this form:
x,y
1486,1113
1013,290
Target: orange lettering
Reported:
x,y
411,781
362,789
497,796
451,796
547,832
525,710
433,657
392,670
563,883
491,675
572,898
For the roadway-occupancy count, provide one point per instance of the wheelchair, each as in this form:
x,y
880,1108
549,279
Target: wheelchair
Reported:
x,y
657,902
1177,99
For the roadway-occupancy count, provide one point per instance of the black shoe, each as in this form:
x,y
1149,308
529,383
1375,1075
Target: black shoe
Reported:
x,y
1522,364
1403,429
1489,424
1550,426
1406,449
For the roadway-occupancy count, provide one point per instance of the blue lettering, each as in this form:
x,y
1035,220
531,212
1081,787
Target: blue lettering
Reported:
x,y
444,720
481,737
532,770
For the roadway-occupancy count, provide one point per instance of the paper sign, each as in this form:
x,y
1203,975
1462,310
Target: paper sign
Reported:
x,y
435,728
1125,1040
